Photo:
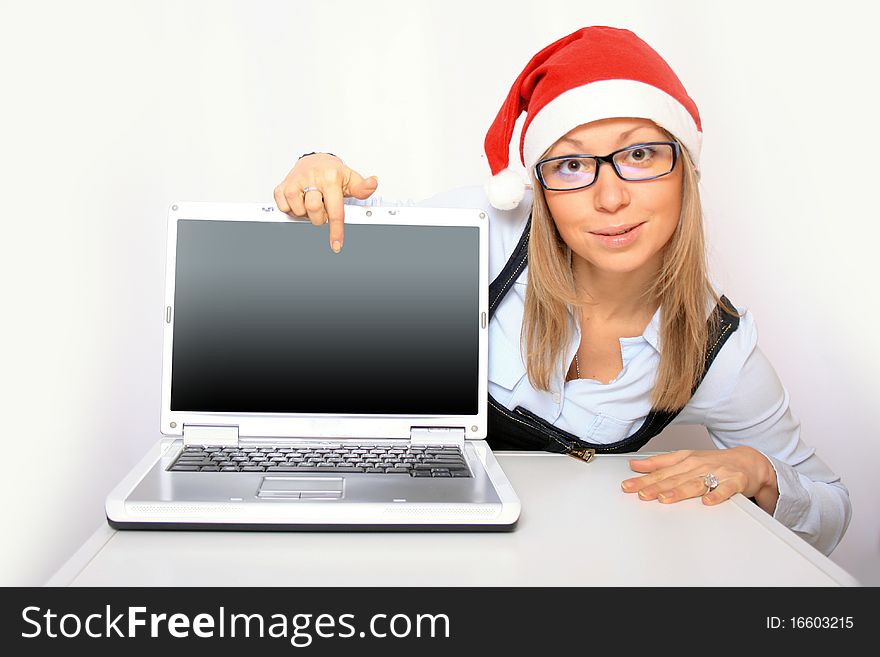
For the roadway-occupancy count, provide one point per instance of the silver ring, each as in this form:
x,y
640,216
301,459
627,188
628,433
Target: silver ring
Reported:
x,y
710,482
306,190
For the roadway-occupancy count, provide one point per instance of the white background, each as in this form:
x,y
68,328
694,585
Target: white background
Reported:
x,y
112,110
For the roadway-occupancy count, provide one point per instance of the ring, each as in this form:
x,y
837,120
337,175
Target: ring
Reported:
x,y
306,190
710,482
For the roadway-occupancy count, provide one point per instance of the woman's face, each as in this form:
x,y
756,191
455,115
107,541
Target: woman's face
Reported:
x,y
610,202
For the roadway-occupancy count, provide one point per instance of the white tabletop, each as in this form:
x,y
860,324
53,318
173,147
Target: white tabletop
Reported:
x,y
577,529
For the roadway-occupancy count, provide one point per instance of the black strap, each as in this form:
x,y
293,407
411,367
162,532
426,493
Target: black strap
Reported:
x,y
524,430
512,269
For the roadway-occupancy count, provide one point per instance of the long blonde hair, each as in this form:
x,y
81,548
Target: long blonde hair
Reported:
x,y
681,288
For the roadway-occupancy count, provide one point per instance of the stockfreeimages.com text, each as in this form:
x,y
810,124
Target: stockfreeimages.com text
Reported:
x,y
300,629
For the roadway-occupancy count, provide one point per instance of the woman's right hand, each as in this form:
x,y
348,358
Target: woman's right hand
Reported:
x,y
334,181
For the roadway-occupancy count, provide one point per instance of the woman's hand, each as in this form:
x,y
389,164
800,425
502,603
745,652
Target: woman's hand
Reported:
x,y
333,181
679,475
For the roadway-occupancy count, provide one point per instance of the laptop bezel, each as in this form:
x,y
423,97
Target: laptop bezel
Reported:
x,y
323,425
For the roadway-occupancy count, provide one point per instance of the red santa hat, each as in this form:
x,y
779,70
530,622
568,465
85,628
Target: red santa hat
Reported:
x,y
594,73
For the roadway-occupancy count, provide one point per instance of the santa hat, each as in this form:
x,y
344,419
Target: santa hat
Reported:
x,y
594,73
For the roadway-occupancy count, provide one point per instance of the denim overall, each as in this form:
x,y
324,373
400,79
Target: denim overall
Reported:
x,y
521,429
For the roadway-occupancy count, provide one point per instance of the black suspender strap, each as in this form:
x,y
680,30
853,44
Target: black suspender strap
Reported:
x,y
522,429
512,269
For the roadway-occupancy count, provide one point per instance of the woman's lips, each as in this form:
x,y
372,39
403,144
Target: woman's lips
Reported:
x,y
618,241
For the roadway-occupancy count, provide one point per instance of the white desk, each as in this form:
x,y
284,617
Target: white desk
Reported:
x,y
577,528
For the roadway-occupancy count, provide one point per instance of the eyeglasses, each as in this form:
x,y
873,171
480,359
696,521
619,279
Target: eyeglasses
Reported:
x,y
646,161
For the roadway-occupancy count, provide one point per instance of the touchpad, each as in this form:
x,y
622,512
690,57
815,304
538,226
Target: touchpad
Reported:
x,y
301,488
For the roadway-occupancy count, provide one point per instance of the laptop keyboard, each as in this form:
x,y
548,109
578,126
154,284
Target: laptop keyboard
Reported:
x,y
412,460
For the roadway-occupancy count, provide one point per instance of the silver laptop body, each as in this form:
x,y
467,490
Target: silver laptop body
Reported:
x,y
324,382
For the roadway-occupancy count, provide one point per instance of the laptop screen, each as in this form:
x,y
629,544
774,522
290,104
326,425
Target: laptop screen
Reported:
x,y
267,319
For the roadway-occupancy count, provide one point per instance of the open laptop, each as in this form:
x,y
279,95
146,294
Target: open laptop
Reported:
x,y
304,389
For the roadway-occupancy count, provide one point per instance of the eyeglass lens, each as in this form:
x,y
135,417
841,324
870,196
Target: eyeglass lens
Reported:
x,y
636,163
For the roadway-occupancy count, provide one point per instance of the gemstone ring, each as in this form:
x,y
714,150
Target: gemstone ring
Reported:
x,y
710,482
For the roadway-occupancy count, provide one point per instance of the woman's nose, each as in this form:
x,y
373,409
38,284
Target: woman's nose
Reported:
x,y
610,193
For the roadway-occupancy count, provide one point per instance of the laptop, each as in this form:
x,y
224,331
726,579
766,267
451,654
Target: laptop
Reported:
x,y
308,390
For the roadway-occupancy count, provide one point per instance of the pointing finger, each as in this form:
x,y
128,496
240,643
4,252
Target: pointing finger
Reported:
x,y
336,213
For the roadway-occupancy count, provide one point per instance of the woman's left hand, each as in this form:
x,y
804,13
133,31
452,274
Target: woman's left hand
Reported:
x,y
679,475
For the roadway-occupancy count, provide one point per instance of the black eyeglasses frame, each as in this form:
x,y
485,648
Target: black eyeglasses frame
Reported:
x,y
610,160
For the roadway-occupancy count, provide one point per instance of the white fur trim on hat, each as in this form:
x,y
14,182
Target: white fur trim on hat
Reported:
x,y
505,189
609,99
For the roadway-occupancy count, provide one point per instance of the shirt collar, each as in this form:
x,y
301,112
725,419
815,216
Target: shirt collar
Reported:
x,y
652,331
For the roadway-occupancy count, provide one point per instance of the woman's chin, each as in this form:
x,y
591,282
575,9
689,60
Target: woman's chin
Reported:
x,y
619,263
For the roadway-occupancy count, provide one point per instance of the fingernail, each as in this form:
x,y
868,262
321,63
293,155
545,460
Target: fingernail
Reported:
x,y
626,485
664,496
337,246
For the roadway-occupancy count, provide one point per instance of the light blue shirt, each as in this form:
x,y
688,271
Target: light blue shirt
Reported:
x,y
741,401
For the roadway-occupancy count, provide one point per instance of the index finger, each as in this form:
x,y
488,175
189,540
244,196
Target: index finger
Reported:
x,y
336,215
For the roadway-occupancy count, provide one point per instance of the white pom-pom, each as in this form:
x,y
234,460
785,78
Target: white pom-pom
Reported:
x,y
505,189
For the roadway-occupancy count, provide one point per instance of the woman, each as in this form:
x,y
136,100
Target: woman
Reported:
x,y
604,326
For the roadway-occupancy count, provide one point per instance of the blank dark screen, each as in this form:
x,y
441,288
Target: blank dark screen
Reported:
x,y
267,319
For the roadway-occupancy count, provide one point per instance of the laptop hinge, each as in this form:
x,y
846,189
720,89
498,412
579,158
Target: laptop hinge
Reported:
x,y
437,436
203,434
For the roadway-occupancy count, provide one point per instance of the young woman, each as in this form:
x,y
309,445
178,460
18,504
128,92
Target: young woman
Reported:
x,y
605,327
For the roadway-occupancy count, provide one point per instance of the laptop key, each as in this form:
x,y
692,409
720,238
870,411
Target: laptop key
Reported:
x,y
397,470
210,468
185,468
253,468
229,468
420,473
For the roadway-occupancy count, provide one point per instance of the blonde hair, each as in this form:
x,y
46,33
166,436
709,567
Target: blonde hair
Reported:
x,y
681,288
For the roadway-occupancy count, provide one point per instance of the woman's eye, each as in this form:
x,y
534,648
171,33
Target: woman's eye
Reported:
x,y
574,167
640,154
